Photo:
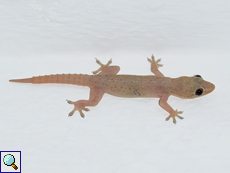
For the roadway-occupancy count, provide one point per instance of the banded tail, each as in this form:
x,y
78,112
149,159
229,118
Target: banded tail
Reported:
x,y
75,79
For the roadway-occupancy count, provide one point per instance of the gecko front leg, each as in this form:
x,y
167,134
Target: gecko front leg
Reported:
x,y
172,113
155,65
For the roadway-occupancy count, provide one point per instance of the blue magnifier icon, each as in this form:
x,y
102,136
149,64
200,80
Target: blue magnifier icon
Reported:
x,y
9,160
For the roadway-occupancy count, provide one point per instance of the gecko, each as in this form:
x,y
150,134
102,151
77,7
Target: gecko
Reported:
x,y
105,80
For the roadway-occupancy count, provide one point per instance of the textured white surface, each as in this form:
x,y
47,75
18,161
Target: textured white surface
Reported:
x,y
119,135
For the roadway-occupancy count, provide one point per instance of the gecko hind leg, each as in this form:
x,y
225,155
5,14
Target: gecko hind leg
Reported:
x,y
105,69
80,105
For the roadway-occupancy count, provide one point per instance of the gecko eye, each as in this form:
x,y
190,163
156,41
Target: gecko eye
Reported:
x,y
199,92
198,76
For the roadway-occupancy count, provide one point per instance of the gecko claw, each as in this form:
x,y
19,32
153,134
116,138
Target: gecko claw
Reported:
x,y
174,115
76,108
103,66
152,60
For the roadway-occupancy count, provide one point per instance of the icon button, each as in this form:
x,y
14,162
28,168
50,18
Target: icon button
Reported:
x,y
9,160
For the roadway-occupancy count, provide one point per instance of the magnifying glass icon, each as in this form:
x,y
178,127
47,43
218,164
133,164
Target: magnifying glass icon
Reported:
x,y
9,160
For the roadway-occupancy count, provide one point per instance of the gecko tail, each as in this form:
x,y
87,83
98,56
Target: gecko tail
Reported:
x,y
25,80
75,79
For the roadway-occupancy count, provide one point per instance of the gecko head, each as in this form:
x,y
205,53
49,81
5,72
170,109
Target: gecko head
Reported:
x,y
192,87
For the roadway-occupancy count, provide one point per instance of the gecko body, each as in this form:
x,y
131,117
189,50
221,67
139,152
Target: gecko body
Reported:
x,y
106,80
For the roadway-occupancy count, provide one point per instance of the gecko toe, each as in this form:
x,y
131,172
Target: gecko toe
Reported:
x,y
96,71
86,109
149,60
174,120
71,113
82,114
166,119
180,117
109,62
70,102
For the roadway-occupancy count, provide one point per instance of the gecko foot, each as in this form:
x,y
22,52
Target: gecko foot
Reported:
x,y
78,108
103,66
174,115
152,60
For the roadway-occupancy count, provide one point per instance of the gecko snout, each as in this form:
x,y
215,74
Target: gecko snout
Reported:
x,y
209,87
212,87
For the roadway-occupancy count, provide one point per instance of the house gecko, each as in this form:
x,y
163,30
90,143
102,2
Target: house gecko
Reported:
x,y
106,80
